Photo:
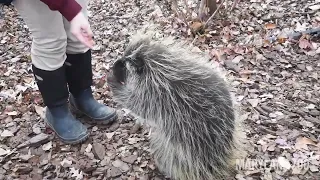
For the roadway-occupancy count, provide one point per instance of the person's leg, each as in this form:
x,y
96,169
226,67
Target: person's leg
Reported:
x,y
79,77
48,53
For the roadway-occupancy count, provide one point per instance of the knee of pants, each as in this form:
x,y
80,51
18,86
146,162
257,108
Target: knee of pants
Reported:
x,y
49,53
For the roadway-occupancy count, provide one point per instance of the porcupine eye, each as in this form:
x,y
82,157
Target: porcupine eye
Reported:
x,y
139,64
119,70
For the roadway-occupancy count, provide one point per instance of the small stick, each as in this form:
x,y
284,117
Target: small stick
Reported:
x,y
194,40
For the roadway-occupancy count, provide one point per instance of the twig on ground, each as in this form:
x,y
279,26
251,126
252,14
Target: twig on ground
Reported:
x,y
194,40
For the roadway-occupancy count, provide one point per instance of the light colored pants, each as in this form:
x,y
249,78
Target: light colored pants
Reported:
x,y
50,32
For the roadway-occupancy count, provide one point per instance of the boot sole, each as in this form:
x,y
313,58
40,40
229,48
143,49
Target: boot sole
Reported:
x,y
94,121
66,141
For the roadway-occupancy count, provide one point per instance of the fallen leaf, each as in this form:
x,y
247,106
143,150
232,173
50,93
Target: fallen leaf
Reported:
x,y
40,111
282,39
6,133
237,59
253,102
283,162
196,27
121,165
314,7
36,129
133,140
297,170
218,54
114,172
4,152
98,151
303,142
66,163
12,113
305,44
47,146
311,106
246,72
270,26
76,173
314,168
301,27
109,135
89,147
271,148
144,164
26,157
15,59
95,128
130,159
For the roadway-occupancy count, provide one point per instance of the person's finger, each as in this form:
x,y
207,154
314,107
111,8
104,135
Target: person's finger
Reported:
x,y
83,40
88,35
89,31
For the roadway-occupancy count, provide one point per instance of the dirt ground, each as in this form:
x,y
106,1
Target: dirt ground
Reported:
x,y
276,85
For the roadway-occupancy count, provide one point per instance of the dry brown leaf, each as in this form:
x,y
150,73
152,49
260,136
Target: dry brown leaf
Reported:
x,y
239,50
282,40
218,54
196,27
266,43
303,142
305,44
270,26
246,72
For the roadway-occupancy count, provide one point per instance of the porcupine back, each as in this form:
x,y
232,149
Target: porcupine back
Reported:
x,y
188,105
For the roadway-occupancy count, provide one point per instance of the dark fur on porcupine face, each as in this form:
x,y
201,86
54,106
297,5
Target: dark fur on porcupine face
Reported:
x,y
189,104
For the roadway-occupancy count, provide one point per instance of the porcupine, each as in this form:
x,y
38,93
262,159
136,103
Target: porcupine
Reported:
x,y
186,103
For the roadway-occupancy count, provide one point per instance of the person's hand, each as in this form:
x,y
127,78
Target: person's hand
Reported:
x,y
79,26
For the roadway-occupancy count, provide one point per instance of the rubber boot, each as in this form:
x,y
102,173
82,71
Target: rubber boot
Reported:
x,y
79,77
53,88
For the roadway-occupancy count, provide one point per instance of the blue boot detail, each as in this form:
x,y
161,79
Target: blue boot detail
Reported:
x,y
79,77
87,105
63,123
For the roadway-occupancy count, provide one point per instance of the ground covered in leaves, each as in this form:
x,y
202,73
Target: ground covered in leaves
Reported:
x,y
276,85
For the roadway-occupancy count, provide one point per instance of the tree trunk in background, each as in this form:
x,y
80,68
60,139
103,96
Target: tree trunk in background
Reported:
x,y
205,5
212,6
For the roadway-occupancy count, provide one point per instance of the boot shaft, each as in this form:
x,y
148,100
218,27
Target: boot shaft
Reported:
x,y
52,86
79,72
